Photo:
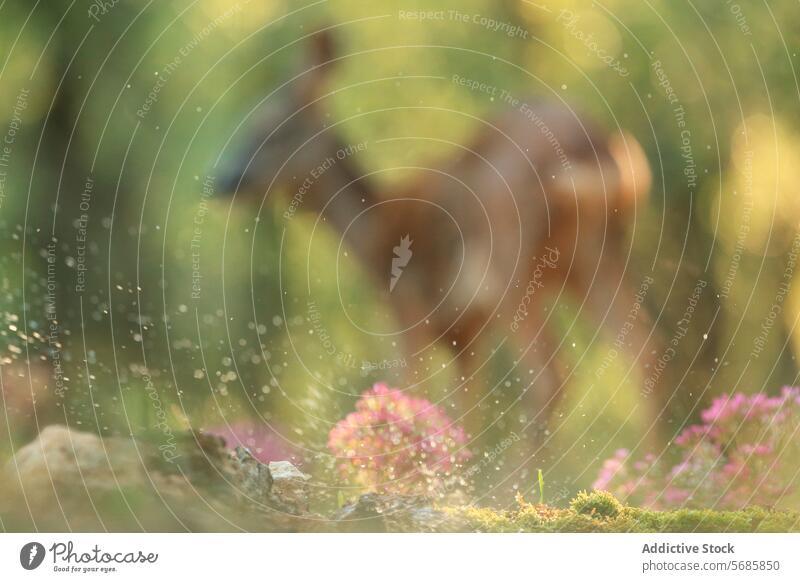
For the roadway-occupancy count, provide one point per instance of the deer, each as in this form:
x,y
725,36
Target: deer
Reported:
x,y
539,200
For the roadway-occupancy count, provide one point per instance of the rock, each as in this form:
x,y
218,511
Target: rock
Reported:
x,y
290,485
395,513
64,456
68,480
253,476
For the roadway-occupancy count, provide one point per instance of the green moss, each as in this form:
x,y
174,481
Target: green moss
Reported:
x,y
600,512
597,504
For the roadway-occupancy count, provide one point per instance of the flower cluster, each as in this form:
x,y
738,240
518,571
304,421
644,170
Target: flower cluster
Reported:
x,y
398,444
745,452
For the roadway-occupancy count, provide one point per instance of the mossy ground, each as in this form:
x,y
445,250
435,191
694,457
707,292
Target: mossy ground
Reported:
x,y
583,517
210,508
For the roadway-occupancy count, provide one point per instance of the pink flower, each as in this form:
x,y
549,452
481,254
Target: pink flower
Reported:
x,y
746,452
397,443
611,467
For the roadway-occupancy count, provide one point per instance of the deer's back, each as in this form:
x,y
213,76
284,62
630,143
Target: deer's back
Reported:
x,y
480,227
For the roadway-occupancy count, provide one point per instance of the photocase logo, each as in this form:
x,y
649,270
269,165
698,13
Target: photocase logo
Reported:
x,y
31,555
402,255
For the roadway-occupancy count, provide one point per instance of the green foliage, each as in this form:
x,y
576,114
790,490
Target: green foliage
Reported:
x,y
540,476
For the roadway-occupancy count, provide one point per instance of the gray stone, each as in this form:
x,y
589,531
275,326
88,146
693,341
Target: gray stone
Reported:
x,y
290,485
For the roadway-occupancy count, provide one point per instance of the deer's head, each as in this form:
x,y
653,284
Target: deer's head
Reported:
x,y
286,136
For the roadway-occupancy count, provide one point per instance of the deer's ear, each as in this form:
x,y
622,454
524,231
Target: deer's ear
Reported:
x,y
319,61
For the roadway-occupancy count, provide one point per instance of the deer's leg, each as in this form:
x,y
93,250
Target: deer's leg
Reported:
x,y
474,370
617,306
541,376
520,393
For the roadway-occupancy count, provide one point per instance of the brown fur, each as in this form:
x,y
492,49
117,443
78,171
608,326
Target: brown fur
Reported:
x,y
535,183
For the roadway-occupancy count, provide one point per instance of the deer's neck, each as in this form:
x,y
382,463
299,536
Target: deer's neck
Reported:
x,y
345,200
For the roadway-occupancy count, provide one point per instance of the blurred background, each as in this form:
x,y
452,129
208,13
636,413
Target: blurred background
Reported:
x,y
130,293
